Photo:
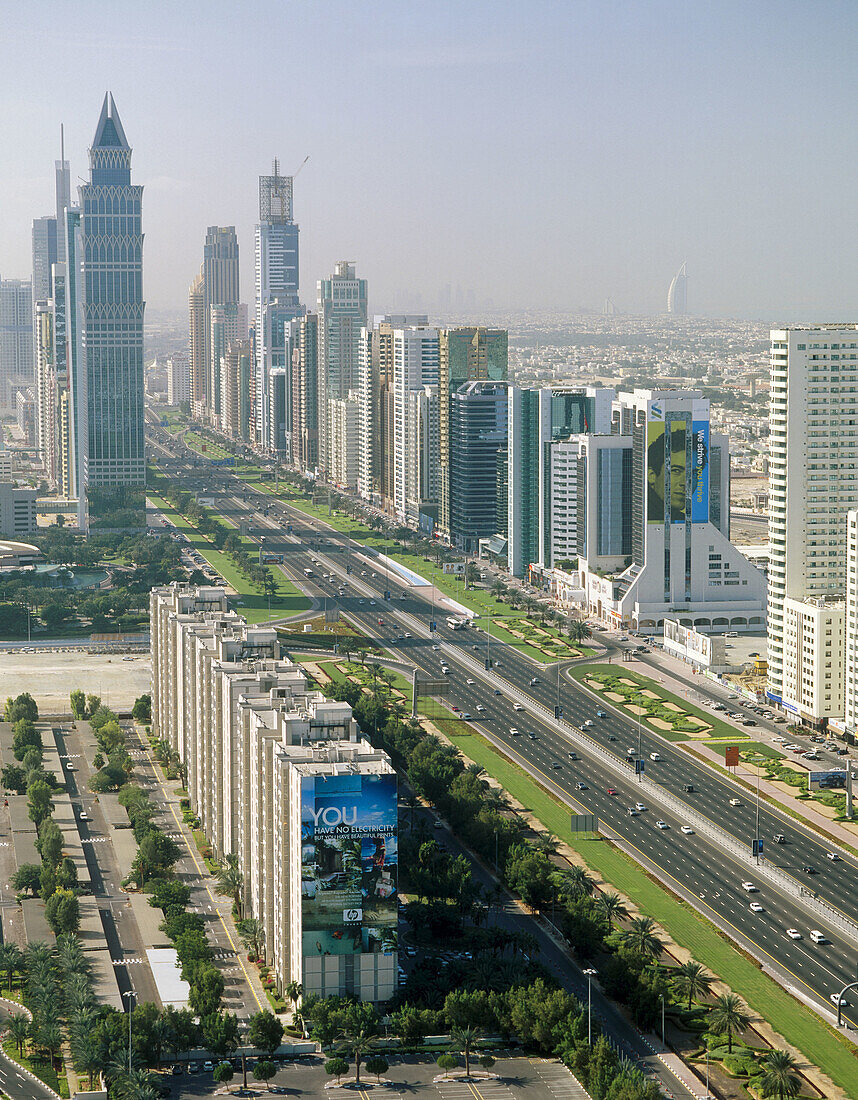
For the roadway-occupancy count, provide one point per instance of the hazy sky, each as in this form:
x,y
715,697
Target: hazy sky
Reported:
x,y
544,154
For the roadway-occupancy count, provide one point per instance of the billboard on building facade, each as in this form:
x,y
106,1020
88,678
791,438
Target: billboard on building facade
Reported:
x,y
678,471
655,472
700,471
348,864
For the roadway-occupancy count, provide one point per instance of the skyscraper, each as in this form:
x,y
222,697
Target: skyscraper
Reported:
x,y
813,456
342,307
677,294
415,422
305,394
466,355
16,339
276,292
112,308
216,286
478,439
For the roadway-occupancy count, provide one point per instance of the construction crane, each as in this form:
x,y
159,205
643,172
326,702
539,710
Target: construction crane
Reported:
x,y
303,162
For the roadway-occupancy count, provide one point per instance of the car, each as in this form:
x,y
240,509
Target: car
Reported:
x,y
601,714
572,754
69,766
639,806
480,708
498,691
534,681
779,838
469,681
835,998
748,722
557,765
403,597
749,887
406,635
809,870
779,740
611,790
193,1067
688,788
454,708
176,1070
833,856
661,825
466,715
793,933
631,752
812,755
84,816
686,829
437,824
514,731
735,802
372,603
654,756
611,737
755,907
533,737
586,723
436,648
517,706
581,786
843,752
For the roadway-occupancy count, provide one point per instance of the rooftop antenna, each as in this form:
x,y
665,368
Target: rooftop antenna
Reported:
x,y
276,167
62,144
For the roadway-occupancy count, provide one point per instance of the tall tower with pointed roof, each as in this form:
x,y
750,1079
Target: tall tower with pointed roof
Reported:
x,y
110,309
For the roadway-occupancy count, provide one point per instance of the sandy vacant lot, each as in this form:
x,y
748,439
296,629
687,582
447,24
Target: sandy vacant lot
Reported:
x,y
51,677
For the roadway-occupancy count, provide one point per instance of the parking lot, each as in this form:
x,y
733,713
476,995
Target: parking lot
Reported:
x,y
51,676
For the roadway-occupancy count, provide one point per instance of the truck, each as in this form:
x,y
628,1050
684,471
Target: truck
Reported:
x,y
456,624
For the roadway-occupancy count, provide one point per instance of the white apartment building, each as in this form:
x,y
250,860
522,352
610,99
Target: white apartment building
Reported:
x,y
813,447
850,675
243,720
17,510
813,658
178,378
344,437
415,389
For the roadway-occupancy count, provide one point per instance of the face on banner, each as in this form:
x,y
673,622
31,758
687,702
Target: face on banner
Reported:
x,y
655,472
678,466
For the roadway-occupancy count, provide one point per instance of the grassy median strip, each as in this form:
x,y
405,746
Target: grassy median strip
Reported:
x,y
254,604
799,1025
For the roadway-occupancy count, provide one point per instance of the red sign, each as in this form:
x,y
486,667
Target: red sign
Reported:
x,y
731,756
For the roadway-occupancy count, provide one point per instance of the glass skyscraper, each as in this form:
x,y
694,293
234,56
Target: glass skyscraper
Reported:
x,y
112,308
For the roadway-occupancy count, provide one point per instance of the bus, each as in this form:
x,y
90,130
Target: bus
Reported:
x,y
456,624
308,572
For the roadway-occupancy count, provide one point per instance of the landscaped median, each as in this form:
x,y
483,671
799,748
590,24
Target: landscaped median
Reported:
x,y
642,698
800,1026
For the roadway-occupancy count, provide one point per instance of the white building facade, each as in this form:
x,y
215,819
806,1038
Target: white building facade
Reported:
x,y
415,414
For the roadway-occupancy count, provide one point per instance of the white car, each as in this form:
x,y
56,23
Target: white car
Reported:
x,y
835,997
662,825
793,933
833,856
514,731
586,724
755,907
469,681
778,740
517,706
639,806
480,708
69,766
735,802
436,648
687,830
749,887
654,756
84,816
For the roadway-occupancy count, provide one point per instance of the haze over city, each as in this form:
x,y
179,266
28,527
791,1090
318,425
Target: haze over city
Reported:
x,y
535,156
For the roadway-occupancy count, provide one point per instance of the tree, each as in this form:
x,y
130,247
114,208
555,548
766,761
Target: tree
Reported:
x,y
778,1077
18,1030
464,1039
336,1067
62,911
223,1074
156,854
206,992
265,1031
643,939
729,1015
25,736
27,877
612,907
142,709
447,1062
359,1031
93,702
252,935
377,1064
14,778
579,631
230,881
219,1032
691,980
11,960
22,706
51,1040
78,705
47,881
50,842
294,991
39,801
264,1071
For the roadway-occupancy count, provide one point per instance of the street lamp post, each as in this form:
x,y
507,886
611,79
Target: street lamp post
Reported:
x,y
591,973
663,1043
129,993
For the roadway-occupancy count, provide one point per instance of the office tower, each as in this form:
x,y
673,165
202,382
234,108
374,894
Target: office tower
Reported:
x,y
342,306
813,454
477,438
178,379
343,425
535,418
466,355
227,323
276,290
415,424
305,394
16,339
198,359
677,294
17,511
680,563
216,285
25,414
111,305
281,779
375,396
236,378
44,257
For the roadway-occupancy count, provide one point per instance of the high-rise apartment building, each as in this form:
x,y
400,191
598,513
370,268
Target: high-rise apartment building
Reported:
x,y
227,323
465,355
216,287
178,379
343,433
813,456
305,394
16,340
277,301
236,377
535,418
111,305
478,439
415,423
342,308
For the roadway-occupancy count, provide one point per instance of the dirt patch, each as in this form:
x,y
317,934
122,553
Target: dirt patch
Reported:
x,y
615,696
697,722
634,708
660,724
650,694
629,683
673,706
597,685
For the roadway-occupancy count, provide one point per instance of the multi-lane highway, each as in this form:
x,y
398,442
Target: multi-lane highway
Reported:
x,y
695,863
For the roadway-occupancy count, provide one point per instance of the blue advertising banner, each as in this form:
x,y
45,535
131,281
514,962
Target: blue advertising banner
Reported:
x,y
700,472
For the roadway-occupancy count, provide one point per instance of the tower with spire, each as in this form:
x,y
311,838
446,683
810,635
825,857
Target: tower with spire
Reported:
x,y
110,305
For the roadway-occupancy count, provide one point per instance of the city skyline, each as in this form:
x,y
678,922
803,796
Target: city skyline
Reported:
x,y
628,141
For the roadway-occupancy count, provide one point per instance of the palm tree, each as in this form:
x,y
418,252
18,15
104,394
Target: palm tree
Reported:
x,y
252,935
691,980
51,1039
11,960
18,1030
294,991
778,1078
578,882
642,938
358,1037
613,908
88,1056
579,631
464,1040
729,1015
546,842
135,1085
230,881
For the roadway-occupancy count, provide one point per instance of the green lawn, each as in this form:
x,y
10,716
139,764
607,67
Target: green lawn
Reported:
x,y
253,604
719,729
752,748
799,1025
